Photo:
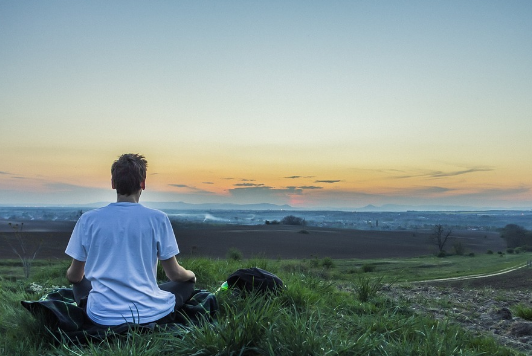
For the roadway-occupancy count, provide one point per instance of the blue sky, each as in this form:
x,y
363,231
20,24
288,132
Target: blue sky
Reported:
x,y
313,104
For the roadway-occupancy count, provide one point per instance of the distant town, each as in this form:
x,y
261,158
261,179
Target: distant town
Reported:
x,y
489,220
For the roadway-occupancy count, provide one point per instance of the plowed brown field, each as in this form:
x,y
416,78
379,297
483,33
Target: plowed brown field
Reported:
x,y
271,241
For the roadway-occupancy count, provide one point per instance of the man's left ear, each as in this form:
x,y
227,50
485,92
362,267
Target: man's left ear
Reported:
x,y
143,185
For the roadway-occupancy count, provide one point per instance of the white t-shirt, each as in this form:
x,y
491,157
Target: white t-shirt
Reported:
x,y
121,244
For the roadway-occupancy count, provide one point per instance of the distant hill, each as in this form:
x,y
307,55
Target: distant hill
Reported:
x,y
398,208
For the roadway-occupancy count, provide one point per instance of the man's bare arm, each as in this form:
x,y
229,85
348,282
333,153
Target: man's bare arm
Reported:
x,y
76,271
175,272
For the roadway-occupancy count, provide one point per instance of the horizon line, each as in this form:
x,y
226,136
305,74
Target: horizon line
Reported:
x,y
228,206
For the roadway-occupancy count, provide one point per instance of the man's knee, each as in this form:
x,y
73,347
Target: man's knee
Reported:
x,y
182,291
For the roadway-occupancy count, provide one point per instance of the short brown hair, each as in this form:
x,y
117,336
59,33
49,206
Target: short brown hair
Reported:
x,y
128,172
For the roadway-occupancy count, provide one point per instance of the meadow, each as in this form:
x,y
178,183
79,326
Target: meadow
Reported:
x,y
329,307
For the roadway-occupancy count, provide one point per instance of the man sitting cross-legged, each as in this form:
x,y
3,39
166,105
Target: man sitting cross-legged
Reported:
x,y
114,253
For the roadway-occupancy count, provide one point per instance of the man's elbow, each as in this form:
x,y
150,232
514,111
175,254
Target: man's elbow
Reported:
x,y
73,279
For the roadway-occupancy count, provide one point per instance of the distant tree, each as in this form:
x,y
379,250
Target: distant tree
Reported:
x,y
293,220
440,235
459,248
21,249
516,236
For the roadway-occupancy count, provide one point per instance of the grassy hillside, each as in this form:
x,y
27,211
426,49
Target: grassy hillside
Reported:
x,y
329,307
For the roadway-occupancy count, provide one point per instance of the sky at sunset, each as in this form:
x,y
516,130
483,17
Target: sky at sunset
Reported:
x,y
315,104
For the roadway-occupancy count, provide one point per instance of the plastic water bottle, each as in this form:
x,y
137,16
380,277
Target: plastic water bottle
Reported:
x,y
224,286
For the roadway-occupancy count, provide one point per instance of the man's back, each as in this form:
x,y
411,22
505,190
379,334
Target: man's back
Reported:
x,y
121,244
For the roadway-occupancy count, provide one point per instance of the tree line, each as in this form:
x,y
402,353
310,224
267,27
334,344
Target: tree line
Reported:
x,y
288,220
517,236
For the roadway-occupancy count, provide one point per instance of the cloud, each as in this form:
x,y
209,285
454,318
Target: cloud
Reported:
x,y
310,187
497,192
442,174
12,175
248,185
264,194
290,190
297,177
191,189
424,190
207,182
240,179
332,181
57,193
406,176
450,196
65,187
357,198
246,190
439,174
88,194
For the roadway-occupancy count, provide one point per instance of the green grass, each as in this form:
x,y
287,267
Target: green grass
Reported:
x,y
431,267
12,268
523,311
324,310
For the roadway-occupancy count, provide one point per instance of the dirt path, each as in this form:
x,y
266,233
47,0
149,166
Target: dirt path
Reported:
x,y
475,276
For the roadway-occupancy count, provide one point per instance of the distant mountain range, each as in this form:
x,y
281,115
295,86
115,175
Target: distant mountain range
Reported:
x,y
399,208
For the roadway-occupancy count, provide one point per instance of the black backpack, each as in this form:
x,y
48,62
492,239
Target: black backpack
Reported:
x,y
255,279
